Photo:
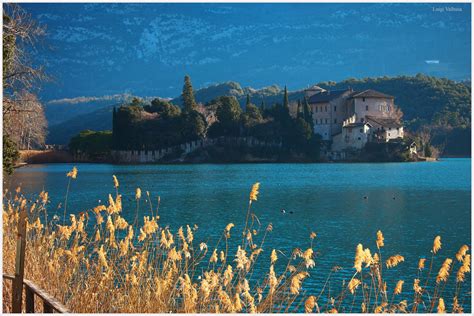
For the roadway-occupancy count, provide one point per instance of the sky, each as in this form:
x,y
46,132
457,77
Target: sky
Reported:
x,y
146,49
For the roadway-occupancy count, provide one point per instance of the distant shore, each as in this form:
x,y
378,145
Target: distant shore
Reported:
x,y
31,157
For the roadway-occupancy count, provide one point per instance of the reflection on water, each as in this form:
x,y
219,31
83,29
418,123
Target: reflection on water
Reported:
x,y
410,202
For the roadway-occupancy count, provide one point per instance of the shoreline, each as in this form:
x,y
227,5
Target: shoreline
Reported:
x,y
24,164
37,157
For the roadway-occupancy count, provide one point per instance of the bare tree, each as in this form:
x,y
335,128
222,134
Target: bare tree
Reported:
x,y
23,114
396,112
27,128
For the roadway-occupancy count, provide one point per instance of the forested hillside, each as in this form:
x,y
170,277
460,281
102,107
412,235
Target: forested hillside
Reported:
x,y
423,99
439,107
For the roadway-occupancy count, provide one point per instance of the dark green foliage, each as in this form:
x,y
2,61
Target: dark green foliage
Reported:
x,y
251,117
228,114
95,145
10,154
164,108
453,142
428,151
307,113
286,102
299,112
189,103
193,126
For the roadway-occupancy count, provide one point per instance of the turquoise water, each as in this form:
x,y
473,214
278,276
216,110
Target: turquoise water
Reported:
x,y
410,202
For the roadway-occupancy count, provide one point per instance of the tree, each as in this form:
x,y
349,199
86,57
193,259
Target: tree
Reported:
x,y
228,112
428,151
188,95
286,103
27,126
10,154
299,112
248,100
23,117
194,125
251,117
20,34
96,145
164,108
308,115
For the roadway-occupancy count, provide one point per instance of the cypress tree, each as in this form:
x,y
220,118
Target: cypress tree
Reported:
x,y
286,103
114,128
308,115
189,102
299,112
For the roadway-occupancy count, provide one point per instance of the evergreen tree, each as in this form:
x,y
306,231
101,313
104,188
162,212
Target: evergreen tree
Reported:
x,y
308,115
286,103
248,100
299,112
10,154
114,128
188,96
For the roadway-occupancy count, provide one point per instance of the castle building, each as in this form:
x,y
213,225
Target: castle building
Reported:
x,y
350,119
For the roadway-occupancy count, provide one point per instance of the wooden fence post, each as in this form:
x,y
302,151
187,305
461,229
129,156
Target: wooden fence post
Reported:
x,y
17,294
29,300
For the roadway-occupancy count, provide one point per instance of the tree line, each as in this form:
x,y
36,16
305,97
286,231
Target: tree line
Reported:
x,y
161,124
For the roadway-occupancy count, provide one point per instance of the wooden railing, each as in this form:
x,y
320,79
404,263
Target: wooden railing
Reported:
x,y
50,304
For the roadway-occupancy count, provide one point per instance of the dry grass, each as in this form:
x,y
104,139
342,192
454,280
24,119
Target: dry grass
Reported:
x,y
98,262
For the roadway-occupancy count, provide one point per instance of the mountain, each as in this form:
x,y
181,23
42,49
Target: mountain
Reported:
x,y
98,120
269,95
441,104
58,111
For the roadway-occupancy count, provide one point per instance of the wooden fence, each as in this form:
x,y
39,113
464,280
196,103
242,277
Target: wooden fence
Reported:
x,y
19,283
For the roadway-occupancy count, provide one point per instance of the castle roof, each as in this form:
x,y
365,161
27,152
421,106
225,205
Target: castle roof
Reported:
x,y
370,94
326,96
385,122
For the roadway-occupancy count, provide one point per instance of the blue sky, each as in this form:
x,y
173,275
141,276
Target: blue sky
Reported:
x,y
146,49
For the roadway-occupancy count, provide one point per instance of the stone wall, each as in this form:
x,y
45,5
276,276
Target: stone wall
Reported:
x,y
153,156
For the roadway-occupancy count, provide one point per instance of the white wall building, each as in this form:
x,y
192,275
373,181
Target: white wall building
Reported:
x,y
350,118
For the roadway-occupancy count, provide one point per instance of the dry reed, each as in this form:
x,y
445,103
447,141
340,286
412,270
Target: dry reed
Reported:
x,y
98,262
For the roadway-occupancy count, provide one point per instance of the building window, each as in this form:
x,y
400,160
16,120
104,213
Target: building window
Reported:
x,y
361,130
388,134
362,120
363,99
326,120
316,109
366,107
335,108
335,121
389,128
325,108
358,138
321,120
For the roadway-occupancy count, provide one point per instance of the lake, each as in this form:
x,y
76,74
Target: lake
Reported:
x,y
410,202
